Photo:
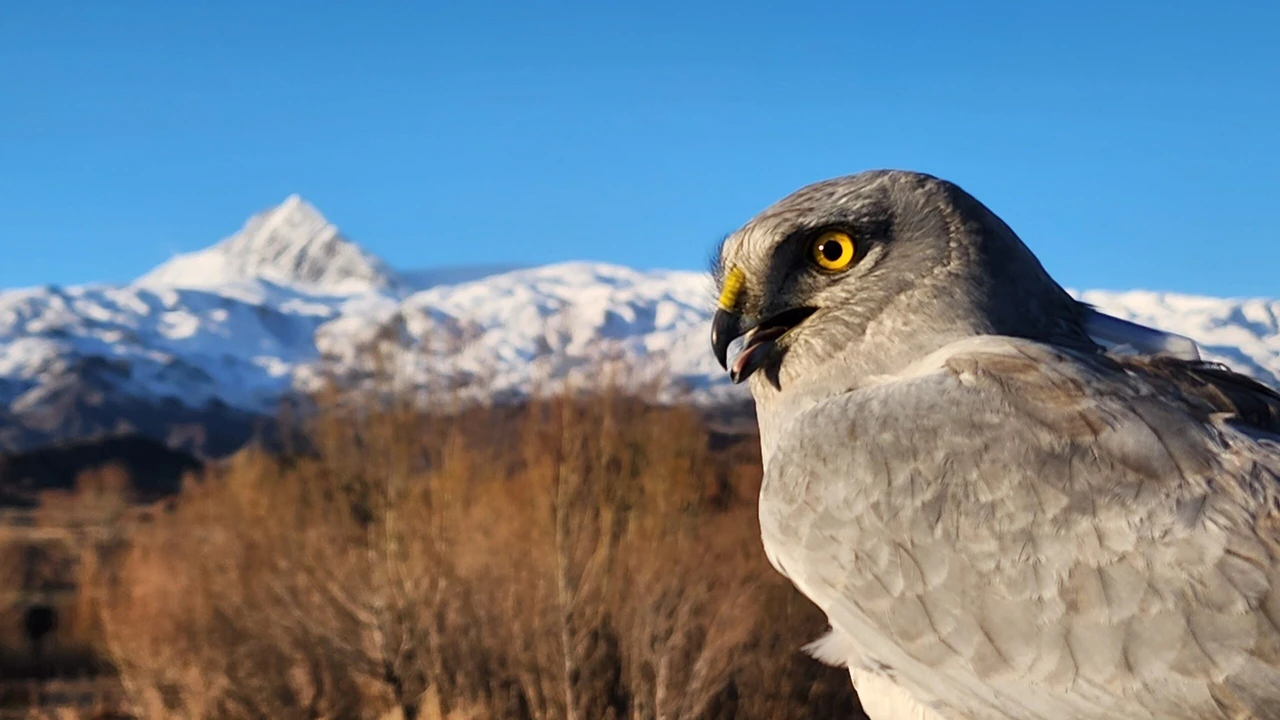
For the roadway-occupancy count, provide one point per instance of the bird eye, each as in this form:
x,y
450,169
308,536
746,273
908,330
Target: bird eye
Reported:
x,y
833,250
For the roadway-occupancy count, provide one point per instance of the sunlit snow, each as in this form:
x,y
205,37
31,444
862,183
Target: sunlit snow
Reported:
x,y
288,300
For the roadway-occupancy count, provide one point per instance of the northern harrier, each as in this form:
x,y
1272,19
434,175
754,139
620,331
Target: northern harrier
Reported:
x,y
1008,504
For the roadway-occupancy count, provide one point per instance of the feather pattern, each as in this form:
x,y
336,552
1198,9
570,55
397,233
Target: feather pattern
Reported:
x,y
1087,546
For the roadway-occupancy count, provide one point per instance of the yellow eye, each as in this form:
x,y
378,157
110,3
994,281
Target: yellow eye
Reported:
x,y
833,250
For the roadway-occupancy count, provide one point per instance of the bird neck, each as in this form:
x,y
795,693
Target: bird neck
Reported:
x,y
859,352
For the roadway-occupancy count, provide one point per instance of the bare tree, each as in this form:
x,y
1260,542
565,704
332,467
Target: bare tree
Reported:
x,y
561,559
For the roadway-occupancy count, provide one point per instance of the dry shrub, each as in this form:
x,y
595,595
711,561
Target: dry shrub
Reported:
x,y
576,558
12,577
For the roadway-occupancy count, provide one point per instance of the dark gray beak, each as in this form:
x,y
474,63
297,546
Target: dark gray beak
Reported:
x,y
725,328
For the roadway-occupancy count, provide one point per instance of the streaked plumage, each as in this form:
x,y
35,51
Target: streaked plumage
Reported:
x,y
1000,517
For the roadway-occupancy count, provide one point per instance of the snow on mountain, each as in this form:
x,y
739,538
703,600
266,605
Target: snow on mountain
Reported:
x,y
291,244
288,301
511,331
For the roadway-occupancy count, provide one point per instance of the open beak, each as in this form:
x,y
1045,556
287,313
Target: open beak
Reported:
x,y
761,342
725,328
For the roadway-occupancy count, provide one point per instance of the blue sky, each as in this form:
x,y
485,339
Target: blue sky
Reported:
x,y
1130,144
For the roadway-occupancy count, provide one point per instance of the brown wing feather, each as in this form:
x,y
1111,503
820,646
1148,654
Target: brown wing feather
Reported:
x,y
1215,385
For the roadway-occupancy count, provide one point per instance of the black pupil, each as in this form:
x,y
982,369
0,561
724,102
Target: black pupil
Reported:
x,y
831,250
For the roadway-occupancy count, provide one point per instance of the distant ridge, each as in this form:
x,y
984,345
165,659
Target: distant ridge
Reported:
x,y
194,351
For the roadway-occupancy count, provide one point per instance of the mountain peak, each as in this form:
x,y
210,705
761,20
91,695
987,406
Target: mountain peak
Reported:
x,y
295,210
290,244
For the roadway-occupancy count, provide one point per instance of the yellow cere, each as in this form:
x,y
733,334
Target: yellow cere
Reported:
x,y
732,287
833,250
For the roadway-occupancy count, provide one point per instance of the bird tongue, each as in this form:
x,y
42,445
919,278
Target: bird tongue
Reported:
x,y
750,356
759,345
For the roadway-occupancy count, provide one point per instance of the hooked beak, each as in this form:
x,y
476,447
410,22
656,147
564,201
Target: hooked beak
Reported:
x,y
761,343
725,328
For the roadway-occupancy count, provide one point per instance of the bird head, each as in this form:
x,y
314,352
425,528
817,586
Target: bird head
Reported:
x,y
861,275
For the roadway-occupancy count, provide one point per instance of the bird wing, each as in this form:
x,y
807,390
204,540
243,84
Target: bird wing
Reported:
x,y
1010,529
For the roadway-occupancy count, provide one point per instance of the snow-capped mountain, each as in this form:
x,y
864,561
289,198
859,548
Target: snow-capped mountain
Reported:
x,y
290,244
196,350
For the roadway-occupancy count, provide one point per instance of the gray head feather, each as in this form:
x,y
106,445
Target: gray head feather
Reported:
x,y
934,265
